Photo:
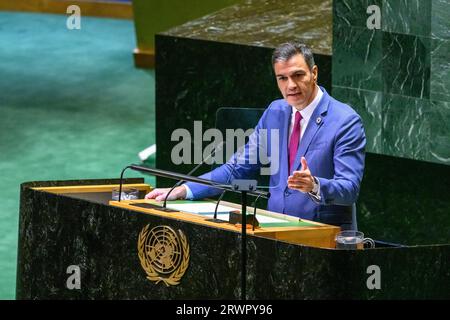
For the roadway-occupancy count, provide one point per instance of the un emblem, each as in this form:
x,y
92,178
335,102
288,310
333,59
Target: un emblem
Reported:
x,y
164,254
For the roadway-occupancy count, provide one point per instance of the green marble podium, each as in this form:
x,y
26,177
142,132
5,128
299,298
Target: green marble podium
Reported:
x,y
79,227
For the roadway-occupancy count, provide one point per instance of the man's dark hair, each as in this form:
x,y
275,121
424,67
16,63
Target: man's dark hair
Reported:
x,y
289,49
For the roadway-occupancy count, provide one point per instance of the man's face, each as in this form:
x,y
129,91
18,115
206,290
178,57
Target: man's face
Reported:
x,y
296,82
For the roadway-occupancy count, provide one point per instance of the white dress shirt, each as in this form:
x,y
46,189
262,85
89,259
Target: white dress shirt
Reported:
x,y
306,114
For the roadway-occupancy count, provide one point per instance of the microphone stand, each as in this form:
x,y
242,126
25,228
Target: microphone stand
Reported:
x,y
214,219
244,187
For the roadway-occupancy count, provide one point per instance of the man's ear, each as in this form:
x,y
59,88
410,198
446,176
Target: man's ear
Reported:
x,y
315,71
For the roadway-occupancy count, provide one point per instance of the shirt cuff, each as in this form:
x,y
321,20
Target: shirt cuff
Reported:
x,y
316,190
189,195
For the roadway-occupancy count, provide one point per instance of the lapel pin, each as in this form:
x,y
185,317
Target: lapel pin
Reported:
x,y
318,120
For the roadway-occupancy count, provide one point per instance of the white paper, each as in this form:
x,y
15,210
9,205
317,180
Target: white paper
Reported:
x,y
207,209
200,207
259,217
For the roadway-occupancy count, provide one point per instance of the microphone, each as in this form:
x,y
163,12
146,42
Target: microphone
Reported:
x,y
219,147
228,181
254,212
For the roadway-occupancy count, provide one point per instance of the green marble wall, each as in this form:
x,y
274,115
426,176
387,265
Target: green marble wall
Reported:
x,y
398,79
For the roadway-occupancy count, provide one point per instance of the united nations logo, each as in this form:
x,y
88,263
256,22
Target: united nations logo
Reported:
x,y
164,254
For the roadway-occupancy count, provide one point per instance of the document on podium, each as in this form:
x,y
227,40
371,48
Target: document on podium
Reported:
x,y
207,209
199,207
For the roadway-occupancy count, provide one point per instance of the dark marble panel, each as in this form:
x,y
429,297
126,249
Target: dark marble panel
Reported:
x,y
357,57
368,105
407,129
406,65
296,272
352,13
440,19
266,23
402,273
440,69
412,17
404,201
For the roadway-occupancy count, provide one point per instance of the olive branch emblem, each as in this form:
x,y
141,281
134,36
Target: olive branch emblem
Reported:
x,y
148,260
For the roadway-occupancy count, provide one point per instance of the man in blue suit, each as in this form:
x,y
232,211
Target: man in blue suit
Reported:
x,y
320,153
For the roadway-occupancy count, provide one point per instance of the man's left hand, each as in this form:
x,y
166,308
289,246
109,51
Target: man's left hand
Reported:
x,y
302,180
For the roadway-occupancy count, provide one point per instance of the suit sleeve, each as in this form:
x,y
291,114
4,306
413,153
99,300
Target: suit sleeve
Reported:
x,y
242,165
348,160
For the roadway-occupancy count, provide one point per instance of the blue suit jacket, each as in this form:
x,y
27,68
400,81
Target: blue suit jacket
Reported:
x,y
334,147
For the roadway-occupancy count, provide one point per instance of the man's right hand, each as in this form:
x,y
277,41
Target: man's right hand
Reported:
x,y
161,193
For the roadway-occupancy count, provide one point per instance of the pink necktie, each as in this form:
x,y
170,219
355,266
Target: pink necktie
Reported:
x,y
295,138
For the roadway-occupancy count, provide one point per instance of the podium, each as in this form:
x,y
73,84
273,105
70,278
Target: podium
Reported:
x,y
75,243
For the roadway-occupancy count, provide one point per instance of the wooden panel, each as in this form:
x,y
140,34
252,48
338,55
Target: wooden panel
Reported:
x,y
320,235
144,58
88,8
92,188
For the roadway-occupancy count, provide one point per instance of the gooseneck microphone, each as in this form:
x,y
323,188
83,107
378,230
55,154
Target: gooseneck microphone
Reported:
x,y
212,154
254,212
228,181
